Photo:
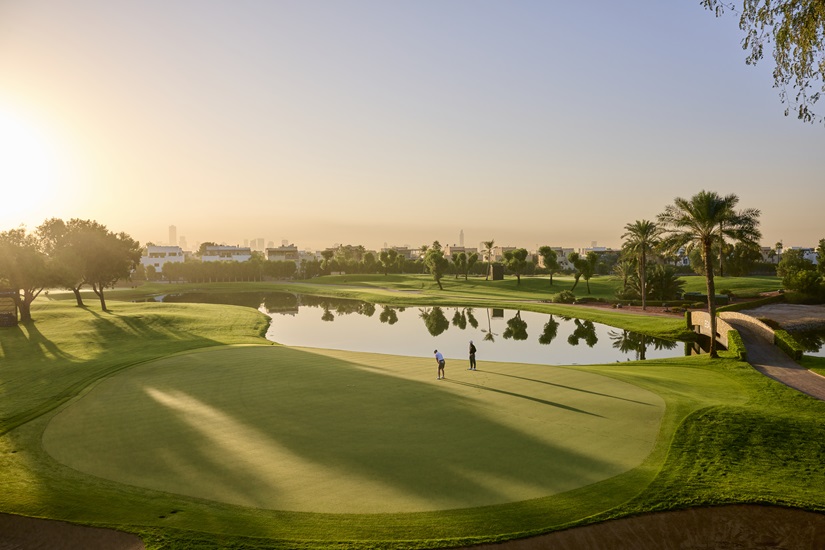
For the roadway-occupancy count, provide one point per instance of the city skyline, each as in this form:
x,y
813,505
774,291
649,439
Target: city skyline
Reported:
x,y
372,122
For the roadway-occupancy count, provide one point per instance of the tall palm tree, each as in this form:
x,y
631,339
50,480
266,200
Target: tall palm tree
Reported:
x,y
488,247
695,222
643,236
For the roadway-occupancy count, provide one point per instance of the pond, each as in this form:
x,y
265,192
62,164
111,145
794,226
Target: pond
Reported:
x,y
812,341
499,334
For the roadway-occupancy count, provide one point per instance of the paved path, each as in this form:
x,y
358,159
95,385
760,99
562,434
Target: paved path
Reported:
x,y
774,363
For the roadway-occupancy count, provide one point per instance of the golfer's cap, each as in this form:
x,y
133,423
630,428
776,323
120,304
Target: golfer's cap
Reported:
x,y
435,351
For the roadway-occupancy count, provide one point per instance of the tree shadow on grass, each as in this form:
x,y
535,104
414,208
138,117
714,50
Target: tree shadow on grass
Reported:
x,y
570,388
281,428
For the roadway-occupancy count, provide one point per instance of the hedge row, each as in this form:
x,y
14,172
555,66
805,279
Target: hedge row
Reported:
x,y
779,298
736,345
788,344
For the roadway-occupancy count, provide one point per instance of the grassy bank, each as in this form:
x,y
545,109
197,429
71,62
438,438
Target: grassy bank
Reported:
x,y
727,435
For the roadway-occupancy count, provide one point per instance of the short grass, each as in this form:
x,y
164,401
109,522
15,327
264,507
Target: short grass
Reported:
x,y
341,432
742,287
727,435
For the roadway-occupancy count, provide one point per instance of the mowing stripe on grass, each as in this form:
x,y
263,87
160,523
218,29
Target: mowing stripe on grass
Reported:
x,y
341,432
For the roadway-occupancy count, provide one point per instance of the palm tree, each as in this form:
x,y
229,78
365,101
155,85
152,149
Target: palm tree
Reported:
x,y
643,236
488,247
695,222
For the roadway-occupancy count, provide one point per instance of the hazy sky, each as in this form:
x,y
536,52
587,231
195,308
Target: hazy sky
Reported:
x,y
365,122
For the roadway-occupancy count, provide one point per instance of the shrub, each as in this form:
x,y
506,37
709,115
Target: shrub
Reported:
x,y
788,344
736,345
564,297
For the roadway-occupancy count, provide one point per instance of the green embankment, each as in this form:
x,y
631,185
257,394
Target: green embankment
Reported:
x,y
727,435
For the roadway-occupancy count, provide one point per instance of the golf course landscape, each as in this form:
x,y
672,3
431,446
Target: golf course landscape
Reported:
x,y
182,424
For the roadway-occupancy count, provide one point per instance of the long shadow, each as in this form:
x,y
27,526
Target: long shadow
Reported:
x,y
346,418
570,388
522,396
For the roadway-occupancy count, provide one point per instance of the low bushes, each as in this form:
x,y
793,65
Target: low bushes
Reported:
x,y
736,345
788,344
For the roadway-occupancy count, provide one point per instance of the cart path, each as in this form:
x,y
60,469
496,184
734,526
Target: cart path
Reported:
x,y
774,363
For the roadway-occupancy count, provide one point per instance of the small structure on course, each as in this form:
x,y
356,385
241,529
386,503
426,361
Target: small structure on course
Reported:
x,y
8,308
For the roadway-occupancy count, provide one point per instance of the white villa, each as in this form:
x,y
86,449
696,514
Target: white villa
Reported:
x,y
157,256
227,254
283,253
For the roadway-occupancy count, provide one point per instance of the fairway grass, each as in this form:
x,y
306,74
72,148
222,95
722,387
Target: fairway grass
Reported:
x,y
134,377
338,432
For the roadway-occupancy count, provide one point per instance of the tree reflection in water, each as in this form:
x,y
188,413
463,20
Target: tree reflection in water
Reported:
x,y
435,320
551,330
585,330
388,315
516,328
627,341
555,329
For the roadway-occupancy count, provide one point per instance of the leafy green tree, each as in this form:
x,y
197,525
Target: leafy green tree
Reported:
x,y
472,259
58,241
436,263
369,262
24,268
326,262
488,250
551,261
798,274
640,241
516,261
664,283
626,271
796,28
742,258
588,267
107,257
577,262
820,256
388,258
695,222
460,263
202,248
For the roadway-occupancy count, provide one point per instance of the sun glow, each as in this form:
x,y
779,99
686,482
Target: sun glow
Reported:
x,y
28,168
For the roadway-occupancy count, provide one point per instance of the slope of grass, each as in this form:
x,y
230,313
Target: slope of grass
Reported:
x,y
728,435
743,287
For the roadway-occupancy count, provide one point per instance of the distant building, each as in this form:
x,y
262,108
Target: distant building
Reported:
x,y
157,256
173,235
283,253
226,254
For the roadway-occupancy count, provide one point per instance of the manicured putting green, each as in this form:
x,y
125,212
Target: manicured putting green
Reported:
x,y
342,432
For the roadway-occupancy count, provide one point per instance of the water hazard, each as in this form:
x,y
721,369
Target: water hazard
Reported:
x,y
499,334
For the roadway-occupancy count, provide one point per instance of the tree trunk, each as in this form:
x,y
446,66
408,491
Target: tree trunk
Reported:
x,y
78,297
642,277
576,282
99,291
711,287
24,307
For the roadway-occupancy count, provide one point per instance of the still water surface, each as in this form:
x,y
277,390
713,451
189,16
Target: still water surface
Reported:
x,y
499,335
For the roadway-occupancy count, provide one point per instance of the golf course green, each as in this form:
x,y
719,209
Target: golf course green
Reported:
x,y
336,432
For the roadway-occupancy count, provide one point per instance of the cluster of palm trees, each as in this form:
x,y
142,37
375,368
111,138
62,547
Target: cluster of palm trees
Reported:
x,y
698,222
